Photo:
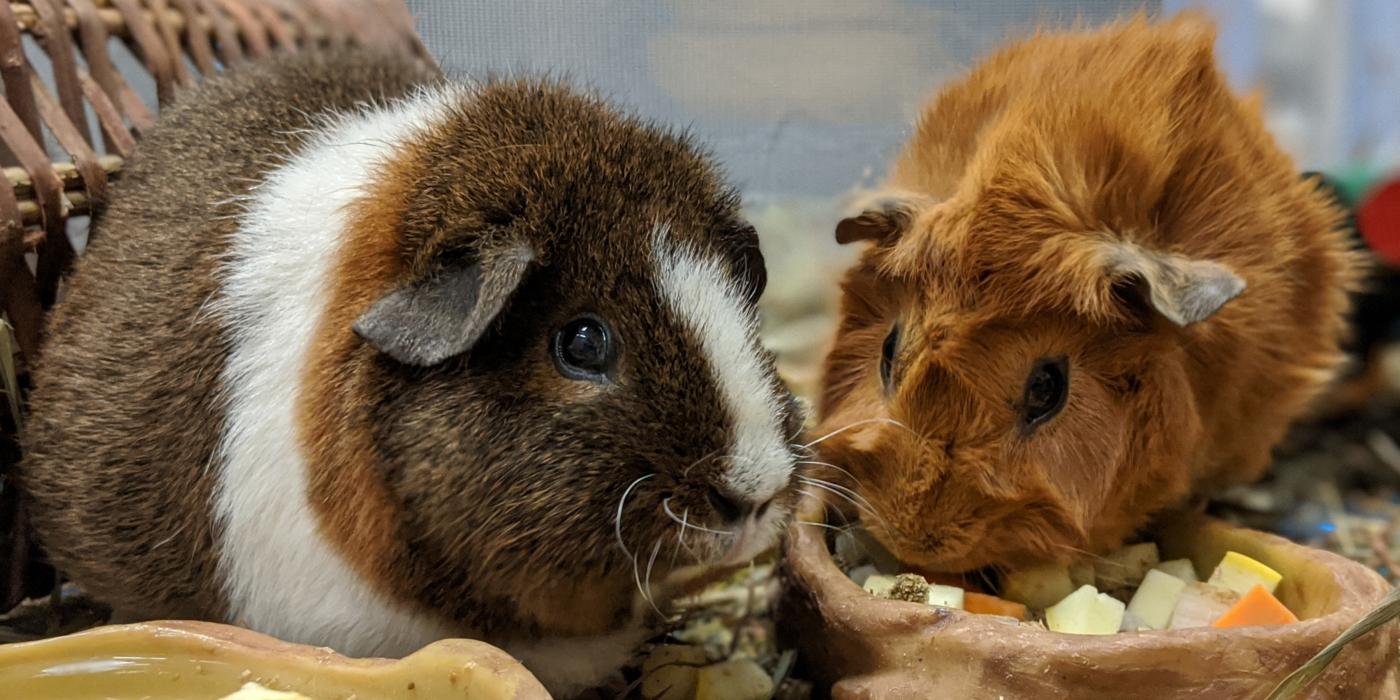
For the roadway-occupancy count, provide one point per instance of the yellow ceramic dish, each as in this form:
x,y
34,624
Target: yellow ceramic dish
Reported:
x,y
198,661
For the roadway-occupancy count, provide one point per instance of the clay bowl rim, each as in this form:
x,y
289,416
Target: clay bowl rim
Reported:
x,y
813,572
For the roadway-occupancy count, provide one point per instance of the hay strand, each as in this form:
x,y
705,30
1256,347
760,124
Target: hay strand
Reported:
x,y
9,378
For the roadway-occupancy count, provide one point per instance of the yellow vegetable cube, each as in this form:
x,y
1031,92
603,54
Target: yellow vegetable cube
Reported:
x,y
1239,573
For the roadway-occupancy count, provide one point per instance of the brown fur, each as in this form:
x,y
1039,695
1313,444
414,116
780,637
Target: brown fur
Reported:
x,y
482,489
1000,240
115,451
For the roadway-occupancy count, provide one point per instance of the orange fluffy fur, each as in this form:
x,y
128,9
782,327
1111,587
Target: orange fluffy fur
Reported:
x,y
998,242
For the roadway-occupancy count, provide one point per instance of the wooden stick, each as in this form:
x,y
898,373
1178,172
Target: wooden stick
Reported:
x,y
67,174
27,20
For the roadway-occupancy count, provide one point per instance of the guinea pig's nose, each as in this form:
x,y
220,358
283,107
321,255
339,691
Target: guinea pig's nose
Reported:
x,y
728,506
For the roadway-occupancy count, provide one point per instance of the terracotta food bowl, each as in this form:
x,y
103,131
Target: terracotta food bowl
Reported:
x,y
198,660
878,648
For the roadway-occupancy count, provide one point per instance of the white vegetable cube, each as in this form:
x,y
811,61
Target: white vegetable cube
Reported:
x,y
1085,611
1126,567
1108,616
849,548
1131,623
1239,573
1180,568
878,585
1156,598
858,546
1200,604
946,596
1038,586
862,573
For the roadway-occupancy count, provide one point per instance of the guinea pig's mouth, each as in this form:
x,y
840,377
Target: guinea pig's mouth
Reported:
x,y
714,550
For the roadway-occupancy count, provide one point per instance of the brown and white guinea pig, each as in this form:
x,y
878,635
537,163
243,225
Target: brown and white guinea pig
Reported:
x,y
1094,288
362,358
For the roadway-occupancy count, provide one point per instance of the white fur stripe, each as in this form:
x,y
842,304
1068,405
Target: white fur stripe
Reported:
x,y
280,574
702,292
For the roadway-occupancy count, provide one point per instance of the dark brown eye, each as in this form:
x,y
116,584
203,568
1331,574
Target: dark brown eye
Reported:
x,y
1047,387
887,355
582,349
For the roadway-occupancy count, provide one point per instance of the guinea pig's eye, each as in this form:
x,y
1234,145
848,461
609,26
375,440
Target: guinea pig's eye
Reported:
x,y
1047,387
887,354
582,349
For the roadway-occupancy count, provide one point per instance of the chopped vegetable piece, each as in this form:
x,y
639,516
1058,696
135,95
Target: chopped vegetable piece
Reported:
x,y
1180,568
737,679
1132,623
861,573
1038,587
673,682
1155,599
253,691
1125,567
946,596
1085,611
879,585
983,604
849,549
910,587
673,655
1200,604
1257,607
1239,573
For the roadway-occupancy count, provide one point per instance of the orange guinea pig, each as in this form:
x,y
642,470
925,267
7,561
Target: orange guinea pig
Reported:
x,y
1094,287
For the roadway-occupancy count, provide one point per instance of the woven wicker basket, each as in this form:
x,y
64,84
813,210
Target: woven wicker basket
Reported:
x,y
71,117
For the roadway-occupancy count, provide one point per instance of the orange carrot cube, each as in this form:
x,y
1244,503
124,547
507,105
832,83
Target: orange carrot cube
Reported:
x,y
984,604
1257,607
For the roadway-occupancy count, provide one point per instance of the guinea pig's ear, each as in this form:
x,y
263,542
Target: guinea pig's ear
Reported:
x,y
1182,289
444,314
879,216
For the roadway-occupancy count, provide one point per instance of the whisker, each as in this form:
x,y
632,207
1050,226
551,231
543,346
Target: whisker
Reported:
x,y
1077,550
647,590
833,466
666,506
856,424
686,470
859,506
851,493
846,528
621,504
